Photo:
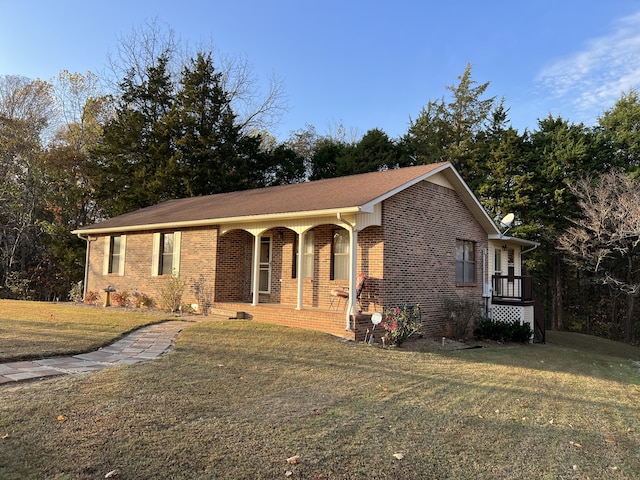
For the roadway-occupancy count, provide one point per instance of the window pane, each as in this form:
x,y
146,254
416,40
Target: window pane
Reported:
x,y
459,250
167,243
470,272
166,255
114,258
340,255
340,242
341,267
459,272
264,281
307,267
469,251
264,249
115,245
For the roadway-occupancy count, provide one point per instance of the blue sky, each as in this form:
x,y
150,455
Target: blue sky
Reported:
x,y
361,63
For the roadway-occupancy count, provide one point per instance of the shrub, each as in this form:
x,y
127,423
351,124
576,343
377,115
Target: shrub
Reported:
x,y
142,300
19,286
120,299
92,297
203,293
461,313
75,294
400,323
171,294
503,331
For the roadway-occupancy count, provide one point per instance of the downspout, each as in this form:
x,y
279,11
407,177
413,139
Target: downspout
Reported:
x,y
485,282
353,255
522,252
86,264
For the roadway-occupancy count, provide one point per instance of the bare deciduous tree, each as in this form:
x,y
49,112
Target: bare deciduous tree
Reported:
x,y
605,239
256,110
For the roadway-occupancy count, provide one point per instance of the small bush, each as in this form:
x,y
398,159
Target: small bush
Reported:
x,y
75,294
401,323
503,331
92,298
142,300
461,314
120,299
203,293
171,294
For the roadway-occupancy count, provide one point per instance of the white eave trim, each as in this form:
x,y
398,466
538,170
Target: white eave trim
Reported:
x,y
368,207
517,241
220,221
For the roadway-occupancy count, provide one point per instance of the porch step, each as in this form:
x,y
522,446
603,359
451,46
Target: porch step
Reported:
x,y
225,312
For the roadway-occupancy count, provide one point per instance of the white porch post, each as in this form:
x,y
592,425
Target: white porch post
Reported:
x,y
256,270
353,266
300,270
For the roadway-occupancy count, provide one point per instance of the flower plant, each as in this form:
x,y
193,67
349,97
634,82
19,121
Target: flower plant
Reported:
x,y
400,323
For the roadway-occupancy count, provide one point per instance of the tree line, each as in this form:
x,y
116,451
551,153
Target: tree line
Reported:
x,y
172,124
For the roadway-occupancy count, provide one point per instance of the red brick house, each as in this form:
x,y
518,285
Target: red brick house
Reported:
x,y
276,253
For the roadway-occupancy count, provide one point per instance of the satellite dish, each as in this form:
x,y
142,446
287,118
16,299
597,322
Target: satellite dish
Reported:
x,y
376,318
507,223
507,220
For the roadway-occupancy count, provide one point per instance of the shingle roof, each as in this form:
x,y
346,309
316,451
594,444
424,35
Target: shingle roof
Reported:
x,y
330,194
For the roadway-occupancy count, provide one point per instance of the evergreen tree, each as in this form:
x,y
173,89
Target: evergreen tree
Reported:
x,y
446,131
375,151
130,162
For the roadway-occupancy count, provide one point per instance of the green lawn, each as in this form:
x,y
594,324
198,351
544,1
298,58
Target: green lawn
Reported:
x,y
236,399
32,330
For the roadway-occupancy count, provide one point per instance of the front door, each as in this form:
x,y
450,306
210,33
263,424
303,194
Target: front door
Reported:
x,y
265,265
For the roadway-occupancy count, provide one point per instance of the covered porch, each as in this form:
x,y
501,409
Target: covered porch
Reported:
x,y
283,272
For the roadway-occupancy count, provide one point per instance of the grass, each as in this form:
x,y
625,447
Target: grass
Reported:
x,y
31,330
236,399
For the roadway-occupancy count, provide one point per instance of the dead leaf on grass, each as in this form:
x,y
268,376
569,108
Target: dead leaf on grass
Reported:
x,y
609,440
61,418
5,436
111,474
288,473
575,444
523,405
293,460
398,456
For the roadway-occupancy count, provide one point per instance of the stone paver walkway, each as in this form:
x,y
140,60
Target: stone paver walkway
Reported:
x,y
144,344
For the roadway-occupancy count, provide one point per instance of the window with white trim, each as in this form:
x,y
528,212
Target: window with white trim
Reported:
x,y
465,261
166,253
340,255
114,250
307,255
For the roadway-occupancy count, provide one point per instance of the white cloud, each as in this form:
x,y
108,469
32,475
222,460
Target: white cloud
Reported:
x,y
591,80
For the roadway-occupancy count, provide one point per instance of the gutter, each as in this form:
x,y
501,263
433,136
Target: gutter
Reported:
x,y
86,264
215,221
352,264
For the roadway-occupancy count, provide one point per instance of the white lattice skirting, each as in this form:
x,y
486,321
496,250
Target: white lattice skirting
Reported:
x,y
513,313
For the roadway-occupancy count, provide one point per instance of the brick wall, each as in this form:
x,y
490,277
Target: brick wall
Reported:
x,y
318,320
421,225
197,257
417,239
